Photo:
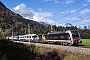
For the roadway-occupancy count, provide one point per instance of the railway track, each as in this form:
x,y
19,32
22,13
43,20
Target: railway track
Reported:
x,y
83,46
77,49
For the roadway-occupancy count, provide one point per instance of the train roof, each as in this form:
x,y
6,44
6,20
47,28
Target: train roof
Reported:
x,y
71,30
28,35
60,32
56,32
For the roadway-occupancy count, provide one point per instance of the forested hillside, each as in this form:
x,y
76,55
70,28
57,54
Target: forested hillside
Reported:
x,y
10,20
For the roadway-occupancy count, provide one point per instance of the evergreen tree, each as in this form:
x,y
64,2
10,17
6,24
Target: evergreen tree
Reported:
x,y
2,34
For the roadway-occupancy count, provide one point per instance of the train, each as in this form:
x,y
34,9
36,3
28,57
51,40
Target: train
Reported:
x,y
69,37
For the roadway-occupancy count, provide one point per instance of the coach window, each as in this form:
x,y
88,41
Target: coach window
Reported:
x,y
29,36
25,36
62,37
22,37
56,37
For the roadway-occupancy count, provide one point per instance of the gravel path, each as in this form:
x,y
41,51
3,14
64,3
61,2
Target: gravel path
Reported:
x,y
69,48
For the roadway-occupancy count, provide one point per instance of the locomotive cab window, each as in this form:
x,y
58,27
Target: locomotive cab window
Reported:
x,y
75,34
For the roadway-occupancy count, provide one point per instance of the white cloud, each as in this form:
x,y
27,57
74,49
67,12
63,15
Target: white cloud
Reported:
x,y
55,1
68,1
22,10
62,12
33,15
85,11
73,19
88,0
39,9
85,5
86,20
73,11
41,16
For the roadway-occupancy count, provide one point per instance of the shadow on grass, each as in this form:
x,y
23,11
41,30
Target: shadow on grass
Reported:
x,y
15,51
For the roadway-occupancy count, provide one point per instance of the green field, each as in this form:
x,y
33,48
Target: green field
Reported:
x,y
86,41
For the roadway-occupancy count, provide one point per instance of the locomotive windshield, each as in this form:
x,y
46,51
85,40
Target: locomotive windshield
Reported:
x,y
75,34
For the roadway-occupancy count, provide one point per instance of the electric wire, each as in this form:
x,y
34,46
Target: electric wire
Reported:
x,y
68,7
72,13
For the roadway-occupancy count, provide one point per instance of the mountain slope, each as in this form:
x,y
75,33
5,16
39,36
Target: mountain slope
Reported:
x,y
9,19
44,23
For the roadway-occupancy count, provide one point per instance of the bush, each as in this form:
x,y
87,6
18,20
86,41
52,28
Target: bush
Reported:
x,y
15,51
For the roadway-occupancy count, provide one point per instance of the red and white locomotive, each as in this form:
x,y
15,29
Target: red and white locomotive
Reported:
x,y
69,37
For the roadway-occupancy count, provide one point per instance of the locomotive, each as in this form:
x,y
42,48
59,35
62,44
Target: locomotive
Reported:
x,y
69,37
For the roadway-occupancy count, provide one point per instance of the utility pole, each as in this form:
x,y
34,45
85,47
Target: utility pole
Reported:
x,y
29,32
51,27
12,36
12,33
25,32
89,27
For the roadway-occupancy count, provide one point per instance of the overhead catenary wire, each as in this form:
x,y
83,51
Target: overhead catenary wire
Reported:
x,y
73,12
81,18
67,7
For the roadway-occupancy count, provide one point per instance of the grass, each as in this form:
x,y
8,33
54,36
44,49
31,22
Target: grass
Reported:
x,y
86,41
17,51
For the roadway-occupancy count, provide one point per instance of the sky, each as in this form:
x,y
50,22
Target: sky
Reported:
x,y
55,12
